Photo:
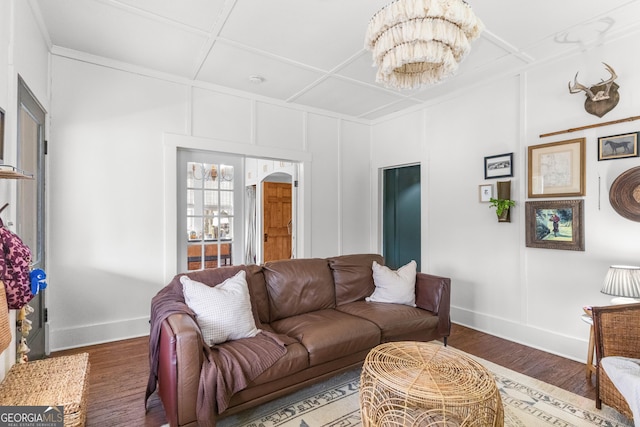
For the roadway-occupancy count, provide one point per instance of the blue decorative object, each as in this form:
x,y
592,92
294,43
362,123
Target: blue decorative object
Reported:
x,y
38,277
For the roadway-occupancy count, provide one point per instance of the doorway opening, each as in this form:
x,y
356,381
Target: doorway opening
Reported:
x,y
31,206
234,209
401,216
272,217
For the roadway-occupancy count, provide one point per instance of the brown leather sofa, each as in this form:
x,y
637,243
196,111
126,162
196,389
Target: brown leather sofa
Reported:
x,y
320,303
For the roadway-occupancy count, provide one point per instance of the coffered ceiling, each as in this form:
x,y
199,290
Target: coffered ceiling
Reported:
x,y
311,52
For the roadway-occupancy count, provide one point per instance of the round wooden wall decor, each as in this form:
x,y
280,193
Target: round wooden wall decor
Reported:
x,y
624,194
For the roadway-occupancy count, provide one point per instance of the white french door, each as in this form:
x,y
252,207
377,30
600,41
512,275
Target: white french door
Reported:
x,y
210,206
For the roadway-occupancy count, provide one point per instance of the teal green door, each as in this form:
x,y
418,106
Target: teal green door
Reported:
x,y
401,216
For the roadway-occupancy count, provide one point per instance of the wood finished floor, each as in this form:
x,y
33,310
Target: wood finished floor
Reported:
x,y
119,373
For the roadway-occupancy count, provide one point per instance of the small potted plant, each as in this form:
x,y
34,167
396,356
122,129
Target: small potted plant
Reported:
x,y
502,208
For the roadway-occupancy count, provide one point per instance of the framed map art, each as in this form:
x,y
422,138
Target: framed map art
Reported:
x,y
557,169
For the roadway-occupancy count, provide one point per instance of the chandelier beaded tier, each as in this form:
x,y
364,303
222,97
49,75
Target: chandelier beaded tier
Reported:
x,y
420,42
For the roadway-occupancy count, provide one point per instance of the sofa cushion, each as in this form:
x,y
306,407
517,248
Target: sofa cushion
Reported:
x,y
298,286
295,360
223,312
395,321
214,276
329,334
353,276
397,287
258,292
255,280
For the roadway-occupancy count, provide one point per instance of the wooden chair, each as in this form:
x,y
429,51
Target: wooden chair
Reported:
x,y
617,333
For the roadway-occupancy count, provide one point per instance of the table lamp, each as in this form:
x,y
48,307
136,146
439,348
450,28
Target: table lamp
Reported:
x,y
623,282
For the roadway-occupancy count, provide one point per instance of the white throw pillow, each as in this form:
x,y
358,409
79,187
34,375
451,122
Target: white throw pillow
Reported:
x,y
223,312
397,287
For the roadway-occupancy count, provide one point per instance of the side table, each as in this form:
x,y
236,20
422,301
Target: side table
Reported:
x,y
421,384
591,369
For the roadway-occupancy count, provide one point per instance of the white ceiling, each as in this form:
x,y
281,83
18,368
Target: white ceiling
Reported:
x,y
311,52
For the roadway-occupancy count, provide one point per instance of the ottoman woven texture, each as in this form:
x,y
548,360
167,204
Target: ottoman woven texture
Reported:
x,y
413,384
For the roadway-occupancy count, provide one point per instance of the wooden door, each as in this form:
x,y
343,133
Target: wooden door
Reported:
x,y
276,216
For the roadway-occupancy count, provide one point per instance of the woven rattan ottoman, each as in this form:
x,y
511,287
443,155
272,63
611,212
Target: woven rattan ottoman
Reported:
x,y
58,381
415,384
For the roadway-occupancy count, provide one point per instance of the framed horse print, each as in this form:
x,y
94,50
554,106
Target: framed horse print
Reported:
x,y
618,146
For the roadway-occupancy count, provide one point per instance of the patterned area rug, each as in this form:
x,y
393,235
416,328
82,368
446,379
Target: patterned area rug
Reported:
x,y
334,403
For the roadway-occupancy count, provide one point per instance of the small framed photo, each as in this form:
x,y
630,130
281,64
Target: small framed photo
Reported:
x,y
618,146
498,166
555,224
485,192
557,169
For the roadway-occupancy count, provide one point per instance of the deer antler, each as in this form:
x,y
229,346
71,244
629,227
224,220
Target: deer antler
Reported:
x,y
613,76
577,87
601,94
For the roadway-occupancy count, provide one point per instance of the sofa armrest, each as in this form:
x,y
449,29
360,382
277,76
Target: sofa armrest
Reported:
x,y
433,293
179,366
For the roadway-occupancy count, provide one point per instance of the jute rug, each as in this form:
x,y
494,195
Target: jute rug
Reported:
x,y
334,403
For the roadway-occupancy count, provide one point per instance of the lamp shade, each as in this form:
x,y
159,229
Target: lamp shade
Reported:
x,y
622,281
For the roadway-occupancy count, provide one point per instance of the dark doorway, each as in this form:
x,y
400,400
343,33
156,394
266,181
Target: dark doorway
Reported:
x,y
401,216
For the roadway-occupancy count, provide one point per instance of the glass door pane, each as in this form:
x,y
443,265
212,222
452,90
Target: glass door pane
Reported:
x,y
208,207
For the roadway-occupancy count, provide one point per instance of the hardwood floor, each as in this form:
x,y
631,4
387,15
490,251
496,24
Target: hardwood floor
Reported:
x,y
117,382
564,373
119,372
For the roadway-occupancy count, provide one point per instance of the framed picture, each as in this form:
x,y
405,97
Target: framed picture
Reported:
x,y
485,192
618,146
498,166
557,169
555,224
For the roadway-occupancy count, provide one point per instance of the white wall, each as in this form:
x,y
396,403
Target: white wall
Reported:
x,y
106,190
5,40
529,295
355,186
114,133
24,52
324,141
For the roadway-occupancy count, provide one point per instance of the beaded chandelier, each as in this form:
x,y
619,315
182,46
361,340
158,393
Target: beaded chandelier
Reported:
x,y
420,42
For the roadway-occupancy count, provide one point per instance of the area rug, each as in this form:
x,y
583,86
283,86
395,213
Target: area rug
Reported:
x,y
334,403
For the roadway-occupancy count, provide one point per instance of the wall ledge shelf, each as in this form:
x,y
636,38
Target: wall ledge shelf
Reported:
x,y
11,172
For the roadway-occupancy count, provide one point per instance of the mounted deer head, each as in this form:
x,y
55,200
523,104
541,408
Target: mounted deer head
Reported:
x,y
601,98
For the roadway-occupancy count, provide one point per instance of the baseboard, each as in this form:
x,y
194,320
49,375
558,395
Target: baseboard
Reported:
x,y
550,341
84,335
562,345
